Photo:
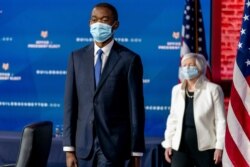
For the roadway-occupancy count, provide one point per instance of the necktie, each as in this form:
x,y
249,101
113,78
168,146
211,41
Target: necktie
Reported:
x,y
98,66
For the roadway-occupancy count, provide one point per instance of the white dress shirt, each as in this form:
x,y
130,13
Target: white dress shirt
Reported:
x,y
106,50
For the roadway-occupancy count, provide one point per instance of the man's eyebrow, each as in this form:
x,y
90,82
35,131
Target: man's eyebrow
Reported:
x,y
102,16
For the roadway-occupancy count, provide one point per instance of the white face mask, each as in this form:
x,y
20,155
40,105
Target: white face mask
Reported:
x,y
189,72
100,31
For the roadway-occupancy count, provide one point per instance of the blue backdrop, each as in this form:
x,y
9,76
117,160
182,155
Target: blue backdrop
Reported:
x,y
36,38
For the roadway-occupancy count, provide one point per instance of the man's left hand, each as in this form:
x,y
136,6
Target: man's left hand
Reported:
x,y
136,161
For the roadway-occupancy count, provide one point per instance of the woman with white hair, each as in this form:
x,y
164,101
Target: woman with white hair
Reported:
x,y
195,128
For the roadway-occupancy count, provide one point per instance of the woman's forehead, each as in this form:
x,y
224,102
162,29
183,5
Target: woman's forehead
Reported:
x,y
189,60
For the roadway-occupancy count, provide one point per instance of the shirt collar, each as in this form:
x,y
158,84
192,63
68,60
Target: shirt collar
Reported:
x,y
106,49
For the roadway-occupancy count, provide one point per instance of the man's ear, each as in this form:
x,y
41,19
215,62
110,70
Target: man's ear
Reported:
x,y
116,25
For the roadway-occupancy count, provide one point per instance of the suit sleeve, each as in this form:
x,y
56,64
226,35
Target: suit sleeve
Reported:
x,y
70,106
136,99
171,122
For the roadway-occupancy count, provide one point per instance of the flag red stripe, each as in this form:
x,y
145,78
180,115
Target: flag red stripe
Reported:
x,y
240,111
237,159
248,80
209,74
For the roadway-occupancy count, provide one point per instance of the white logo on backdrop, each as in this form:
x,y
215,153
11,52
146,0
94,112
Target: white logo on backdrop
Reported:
x,y
175,44
44,43
8,75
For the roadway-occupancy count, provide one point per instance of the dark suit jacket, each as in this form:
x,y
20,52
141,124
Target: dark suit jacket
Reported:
x,y
115,108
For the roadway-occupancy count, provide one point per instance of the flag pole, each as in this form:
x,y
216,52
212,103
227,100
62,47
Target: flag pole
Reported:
x,y
196,28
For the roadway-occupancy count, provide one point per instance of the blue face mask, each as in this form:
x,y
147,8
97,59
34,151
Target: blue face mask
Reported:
x,y
189,72
100,31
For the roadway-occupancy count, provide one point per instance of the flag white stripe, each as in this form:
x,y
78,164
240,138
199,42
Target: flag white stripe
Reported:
x,y
184,49
242,87
225,159
238,134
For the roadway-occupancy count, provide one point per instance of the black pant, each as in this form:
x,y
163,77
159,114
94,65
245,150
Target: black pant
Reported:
x,y
98,159
188,155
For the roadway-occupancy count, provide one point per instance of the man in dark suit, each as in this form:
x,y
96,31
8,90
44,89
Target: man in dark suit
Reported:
x,y
104,106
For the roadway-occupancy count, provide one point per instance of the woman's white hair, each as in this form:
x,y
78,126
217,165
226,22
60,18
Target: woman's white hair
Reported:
x,y
200,61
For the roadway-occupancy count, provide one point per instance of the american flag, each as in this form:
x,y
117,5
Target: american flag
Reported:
x,y
193,32
237,145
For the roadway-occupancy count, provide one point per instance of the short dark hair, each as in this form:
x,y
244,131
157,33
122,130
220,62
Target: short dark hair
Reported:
x,y
109,6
